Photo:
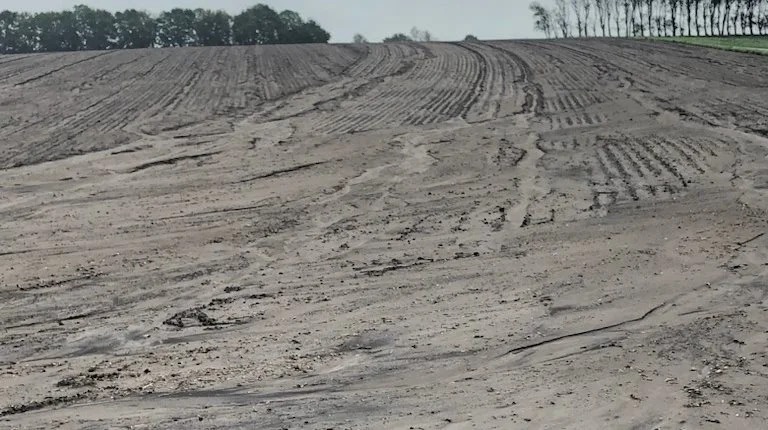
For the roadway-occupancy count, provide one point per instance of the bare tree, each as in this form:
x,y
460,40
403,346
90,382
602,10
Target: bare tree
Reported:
x,y
641,18
761,19
415,34
714,17
714,14
688,15
543,18
660,18
749,15
733,16
722,17
562,18
743,16
359,38
706,11
608,13
696,7
617,5
725,13
628,17
577,6
587,4
600,11
674,7
649,5
421,35
637,28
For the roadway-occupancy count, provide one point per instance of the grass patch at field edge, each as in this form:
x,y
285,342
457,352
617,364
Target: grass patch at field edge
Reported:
x,y
750,44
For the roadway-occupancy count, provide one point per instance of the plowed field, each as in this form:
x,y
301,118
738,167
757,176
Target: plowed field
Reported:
x,y
507,234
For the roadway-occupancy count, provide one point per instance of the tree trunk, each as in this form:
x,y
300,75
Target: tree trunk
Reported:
x,y
696,18
723,23
673,20
626,19
719,21
688,17
608,18
650,18
713,20
617,18
743,22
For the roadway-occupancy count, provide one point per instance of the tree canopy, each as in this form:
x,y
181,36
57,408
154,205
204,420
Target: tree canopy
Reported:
x,y
97,28
213,28
416,35
258,25
397,37
135,29
177,28
85,28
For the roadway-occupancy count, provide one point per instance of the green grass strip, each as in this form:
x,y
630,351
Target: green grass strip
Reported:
x,y
750,44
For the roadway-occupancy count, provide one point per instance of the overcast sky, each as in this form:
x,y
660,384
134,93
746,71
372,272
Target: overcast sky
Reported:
x,y
446,19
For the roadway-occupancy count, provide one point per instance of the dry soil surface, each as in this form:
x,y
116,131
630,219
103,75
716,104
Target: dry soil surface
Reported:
x,y
563,235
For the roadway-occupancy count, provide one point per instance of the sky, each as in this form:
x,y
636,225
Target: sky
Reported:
x,y
447,20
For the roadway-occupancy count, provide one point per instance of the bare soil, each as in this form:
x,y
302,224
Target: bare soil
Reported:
x,y
566,234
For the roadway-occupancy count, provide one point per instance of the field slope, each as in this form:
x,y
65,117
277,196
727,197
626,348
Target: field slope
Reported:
x,y
507,234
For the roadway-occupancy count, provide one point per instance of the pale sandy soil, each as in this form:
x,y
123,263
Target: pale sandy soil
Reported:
x,y
561,235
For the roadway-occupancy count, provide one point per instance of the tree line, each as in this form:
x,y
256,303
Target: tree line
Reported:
x,y
417,35
84,28
641,18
